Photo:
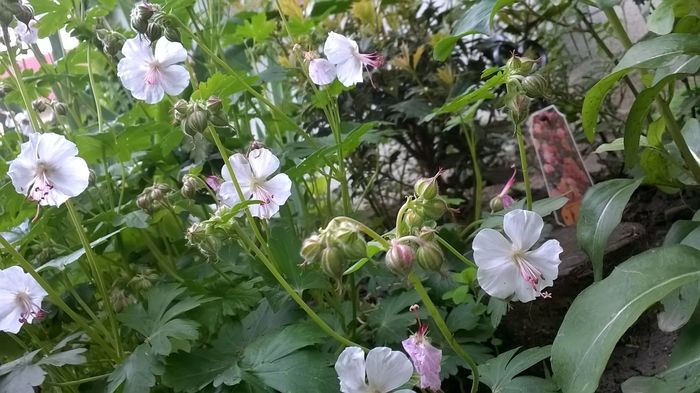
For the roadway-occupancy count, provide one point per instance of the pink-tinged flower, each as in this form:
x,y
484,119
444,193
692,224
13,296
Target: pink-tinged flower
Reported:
x,y
505,199
27,33
322,72
214,182
252,174
349,62
384,371
425,357
507,267
148,74
48,170
20,299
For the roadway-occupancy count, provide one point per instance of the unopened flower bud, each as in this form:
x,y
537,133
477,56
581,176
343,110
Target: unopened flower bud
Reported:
x,y
399,258
518,108
311,248
496,204
60,108
24,13
534,86
141,15
154,31
332,262
214,104
196,233
190,186
427,234
355,249
412,219
40,104
143,201
218,119
171,34
427,187
196,122
433,209
345,232
430,257
520,65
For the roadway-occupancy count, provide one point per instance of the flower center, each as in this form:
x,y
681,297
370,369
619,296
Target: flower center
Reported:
x,y
260,192
29,309
41,185
374,60
529,272
153,74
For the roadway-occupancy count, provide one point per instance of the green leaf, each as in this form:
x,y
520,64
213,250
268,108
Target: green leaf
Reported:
x,y
60,263
258,28
485,91
500,372
285,250
679,306
604,311
277,345
500,4
158,324
683,371
222,86
635,120
619,145
300,372
392,318
192,372
137,372
601,211
645,54
443,48
475,19
661,20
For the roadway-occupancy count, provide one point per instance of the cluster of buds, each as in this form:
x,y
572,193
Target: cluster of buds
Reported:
x,y
210,235
112,41
144,279
10,9
524,85
190,186
333,247
425,207
422,249
154,197
42,104
195,116
149,20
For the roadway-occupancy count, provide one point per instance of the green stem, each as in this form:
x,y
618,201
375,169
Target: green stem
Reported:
x,y
617,26
442,326
334,121
454,251
80,381
93,88
92,261
367,230
478,180
399,217
523,165
288,288
17,74
54,296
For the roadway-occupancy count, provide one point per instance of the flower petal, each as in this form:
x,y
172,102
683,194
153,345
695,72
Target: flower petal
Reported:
x,y
22,170
132,73
168,53
53,149
10,322
71,177
138,48
523,227
241,168
426,359
387,369
499,281
350,72
350,367
491,249
263,163
322,72
546,259
524,292
339,48
151,94
228,195
174,79
279,187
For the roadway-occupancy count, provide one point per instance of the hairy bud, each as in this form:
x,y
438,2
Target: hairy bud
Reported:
x,y
518,108
332,262
430,257
24,13
433,209
355,249
154,31
190,186
59,108
196,122
427,187
534,86
141,14
311,249
399,258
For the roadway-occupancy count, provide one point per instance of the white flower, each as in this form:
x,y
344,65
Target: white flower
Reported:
x,y
349,62
20,299
322,72
48,170
508,267
252,174
149,75
24,124
27,33
383,371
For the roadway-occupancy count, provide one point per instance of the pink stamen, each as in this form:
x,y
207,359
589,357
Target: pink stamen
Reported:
x,y
529,272
152,75
29,309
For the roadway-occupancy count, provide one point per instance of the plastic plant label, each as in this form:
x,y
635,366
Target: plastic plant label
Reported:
x,y
560,161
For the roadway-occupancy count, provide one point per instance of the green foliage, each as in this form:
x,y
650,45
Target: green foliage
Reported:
x,y
603,312
501,373
601,211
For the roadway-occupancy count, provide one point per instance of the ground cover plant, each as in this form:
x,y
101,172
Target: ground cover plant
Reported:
x,y
293,195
